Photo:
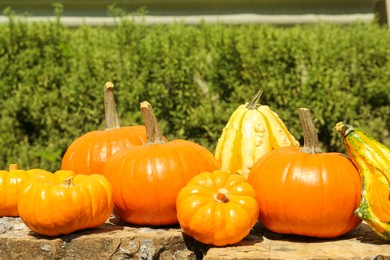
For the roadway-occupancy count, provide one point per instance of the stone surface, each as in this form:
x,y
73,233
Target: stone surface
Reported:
x,y
117,241
112,240
362,243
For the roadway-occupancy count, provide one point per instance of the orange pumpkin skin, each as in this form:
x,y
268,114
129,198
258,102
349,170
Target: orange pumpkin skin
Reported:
x,y
306,194
50,205
88,153
217,208
146,179
10,185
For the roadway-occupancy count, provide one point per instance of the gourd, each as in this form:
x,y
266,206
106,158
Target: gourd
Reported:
x,y
147,178
304,191
252,131
88,153
217,208
10,185
372,158
64,202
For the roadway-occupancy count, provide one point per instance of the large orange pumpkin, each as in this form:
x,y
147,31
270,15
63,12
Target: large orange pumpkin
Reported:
x,y
304,191
88,153
63,202
147,178
10,185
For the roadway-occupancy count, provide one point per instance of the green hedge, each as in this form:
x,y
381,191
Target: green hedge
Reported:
x,y
52,78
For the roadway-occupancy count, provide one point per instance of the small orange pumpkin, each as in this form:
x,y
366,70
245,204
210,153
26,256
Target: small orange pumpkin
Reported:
x,y
147,178
88,153
63,202
304,191
217,208
10,185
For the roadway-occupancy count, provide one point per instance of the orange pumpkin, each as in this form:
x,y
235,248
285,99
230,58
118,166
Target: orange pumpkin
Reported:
x,y
147,178
88,153
304,191
217,208
10,185
63,202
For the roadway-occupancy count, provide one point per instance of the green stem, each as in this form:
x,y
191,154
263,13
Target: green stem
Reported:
x,y
343,128
253,104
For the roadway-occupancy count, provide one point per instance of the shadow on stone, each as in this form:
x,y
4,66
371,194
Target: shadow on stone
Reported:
x,y
201,249
195,246
362,233
104,228
140,228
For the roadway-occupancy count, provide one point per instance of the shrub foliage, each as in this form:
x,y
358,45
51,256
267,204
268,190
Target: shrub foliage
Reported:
x,y
52,80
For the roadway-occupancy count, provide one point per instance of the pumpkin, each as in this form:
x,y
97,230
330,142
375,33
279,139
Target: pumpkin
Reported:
x,y
147,178
64,202
217,208
304,191
372,158
10,185
252,131
88,153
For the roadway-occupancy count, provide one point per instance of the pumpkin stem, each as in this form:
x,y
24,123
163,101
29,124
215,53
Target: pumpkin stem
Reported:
x,y
311,143
111,115
68,182
221,195
153,132
253,104
13,167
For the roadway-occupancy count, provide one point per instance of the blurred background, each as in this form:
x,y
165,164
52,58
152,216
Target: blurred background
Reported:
x,y
261,11
194,61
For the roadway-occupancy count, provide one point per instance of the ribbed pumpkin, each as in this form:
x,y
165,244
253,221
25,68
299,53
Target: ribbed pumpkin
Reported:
x,y
252,131
63,202
217,208
304,191
88,153
147,178
373,161
10,185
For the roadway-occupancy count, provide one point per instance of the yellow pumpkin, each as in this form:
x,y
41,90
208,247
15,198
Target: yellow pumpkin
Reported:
x,y
251,131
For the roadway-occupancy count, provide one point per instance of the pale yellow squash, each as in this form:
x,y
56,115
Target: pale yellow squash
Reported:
x,y
252,131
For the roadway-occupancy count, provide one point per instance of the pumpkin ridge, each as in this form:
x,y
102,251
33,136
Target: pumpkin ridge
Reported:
x,y
295,163
276,122
132,169
222,154
92,204
201,214
249,146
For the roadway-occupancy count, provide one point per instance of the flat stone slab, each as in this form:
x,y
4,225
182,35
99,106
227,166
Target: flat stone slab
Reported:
x,y
114,240
362,243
